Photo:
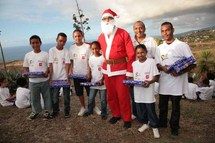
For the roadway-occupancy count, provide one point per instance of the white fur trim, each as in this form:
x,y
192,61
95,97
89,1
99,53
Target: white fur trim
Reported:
x,y
130,74
107,15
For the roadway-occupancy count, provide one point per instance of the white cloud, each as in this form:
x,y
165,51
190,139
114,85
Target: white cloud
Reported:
x,y
184,14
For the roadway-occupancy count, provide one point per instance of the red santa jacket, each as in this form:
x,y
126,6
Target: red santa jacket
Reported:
x,y
117,46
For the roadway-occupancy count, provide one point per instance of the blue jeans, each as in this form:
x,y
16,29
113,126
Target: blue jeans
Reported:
x,y
163,106
55,99
146,113
91,101
134,110
36,89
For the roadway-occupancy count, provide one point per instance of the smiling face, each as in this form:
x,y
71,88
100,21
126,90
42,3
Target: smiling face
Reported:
x,y
139,29
78,37
95,49
35,44
141,54
167,33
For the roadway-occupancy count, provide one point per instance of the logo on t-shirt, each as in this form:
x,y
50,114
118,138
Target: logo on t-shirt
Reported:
x,y
147,76
164,57
63,59
82,57
40,64
99,68
137,75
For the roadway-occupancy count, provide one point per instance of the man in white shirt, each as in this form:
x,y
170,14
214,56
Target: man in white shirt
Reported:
x,y
151,45
172,85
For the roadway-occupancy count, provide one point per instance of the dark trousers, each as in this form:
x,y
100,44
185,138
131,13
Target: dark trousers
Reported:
x,y
55,99
163,107
146,113
133,104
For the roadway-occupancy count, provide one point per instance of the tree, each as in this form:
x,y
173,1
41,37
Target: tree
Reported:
x,y
80,22
206,63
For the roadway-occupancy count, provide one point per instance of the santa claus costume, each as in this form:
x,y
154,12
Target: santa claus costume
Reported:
x,y
118,51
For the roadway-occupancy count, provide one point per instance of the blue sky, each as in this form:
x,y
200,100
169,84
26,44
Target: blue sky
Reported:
x,y
20,19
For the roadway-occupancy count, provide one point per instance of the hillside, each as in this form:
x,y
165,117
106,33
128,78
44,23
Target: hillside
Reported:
x,y
199,36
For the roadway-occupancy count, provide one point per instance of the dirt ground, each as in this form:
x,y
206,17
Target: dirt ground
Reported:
x,y
197,126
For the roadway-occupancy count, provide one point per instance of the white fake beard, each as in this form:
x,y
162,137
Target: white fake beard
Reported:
x,y
108,27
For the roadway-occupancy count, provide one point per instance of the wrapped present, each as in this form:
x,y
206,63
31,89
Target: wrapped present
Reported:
x,y
59,83
133,82
181,64
33,74
89,84
181,60
77,76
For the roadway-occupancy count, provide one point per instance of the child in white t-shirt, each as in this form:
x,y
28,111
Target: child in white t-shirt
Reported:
x,y
96,76
211,77
206,91
193,90
59,63
22,94
5,98
37,61
79,56
144,69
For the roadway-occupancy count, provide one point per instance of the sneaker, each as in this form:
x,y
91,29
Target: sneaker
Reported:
x,y
66,115
113,120
32,116
143,127
46,116
96,109
133,117
86,114
82,111
127,125
174,132
156,133
54,114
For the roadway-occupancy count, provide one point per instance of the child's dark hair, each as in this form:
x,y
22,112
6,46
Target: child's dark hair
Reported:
x,y
21,82
78,30
190,79
141,46
35,37
205,81
210,76
2,79
61,34
96,43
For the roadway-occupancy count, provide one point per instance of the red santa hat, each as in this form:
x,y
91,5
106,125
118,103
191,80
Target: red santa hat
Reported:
x,y
109,12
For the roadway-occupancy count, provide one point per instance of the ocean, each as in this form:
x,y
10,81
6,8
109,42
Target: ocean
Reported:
x,y
18,52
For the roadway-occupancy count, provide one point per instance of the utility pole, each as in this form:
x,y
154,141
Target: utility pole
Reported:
x,y
3,56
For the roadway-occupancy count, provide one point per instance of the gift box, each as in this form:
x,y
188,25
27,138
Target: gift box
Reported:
x,y
33,74
133,82
59,83
181,64
77,76
89,84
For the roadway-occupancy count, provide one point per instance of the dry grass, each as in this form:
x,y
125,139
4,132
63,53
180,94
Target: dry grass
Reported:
x,y
197,122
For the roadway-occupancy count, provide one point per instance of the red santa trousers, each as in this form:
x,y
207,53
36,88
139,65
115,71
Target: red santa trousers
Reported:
x,y
118,97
